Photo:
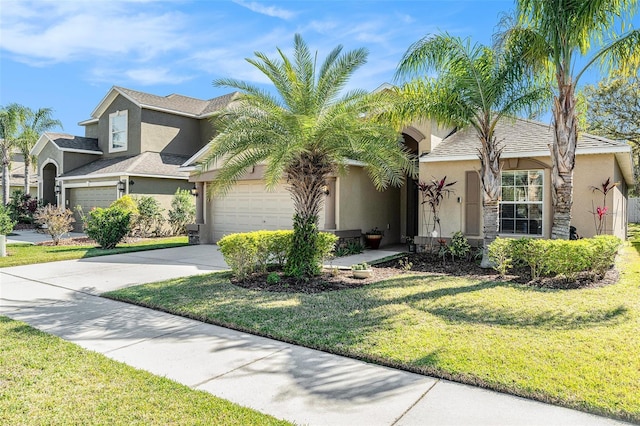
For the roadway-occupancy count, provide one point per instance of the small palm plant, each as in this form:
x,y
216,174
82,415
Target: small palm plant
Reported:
x,y
305,132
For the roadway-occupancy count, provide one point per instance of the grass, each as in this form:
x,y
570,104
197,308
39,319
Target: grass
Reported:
x,y
46,380
576,348
27,254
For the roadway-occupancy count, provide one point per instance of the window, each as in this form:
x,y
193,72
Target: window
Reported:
x,y
118,131
521,202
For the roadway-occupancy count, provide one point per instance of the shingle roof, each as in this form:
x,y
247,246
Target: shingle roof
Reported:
x,y
147,163
179,103
519,137
66,141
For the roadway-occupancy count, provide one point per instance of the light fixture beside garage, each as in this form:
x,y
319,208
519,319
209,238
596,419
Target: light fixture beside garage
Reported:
x,y
122,186
58,189
194,190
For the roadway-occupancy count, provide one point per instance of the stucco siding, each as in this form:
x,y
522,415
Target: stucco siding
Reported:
x,y
360,206
73,160
91,130
162,190
50,152
169,133
120,103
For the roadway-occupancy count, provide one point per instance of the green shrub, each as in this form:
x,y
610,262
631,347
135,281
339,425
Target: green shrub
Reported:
x,y
128,204
150,220
605,248
555,258
250,252
56,221
273,278
459,246
22,207
182,212
108,226
6,223
501,255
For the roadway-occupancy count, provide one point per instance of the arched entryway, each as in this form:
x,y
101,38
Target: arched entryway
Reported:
x,y
48,176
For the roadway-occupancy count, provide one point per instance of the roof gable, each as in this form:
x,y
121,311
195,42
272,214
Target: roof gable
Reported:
x,y
174,103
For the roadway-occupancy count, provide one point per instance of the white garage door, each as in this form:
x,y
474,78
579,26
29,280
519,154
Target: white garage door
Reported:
x,y
250,207
89,198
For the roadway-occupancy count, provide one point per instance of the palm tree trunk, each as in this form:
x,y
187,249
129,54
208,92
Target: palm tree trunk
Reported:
x,y
5,175
563,156
27,172
491,185
306,179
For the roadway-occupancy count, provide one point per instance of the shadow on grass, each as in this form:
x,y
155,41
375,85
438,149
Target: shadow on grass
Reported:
x,y
548,319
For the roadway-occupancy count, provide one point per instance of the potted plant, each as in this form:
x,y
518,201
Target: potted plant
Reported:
x,y
361,270
373,238
411,244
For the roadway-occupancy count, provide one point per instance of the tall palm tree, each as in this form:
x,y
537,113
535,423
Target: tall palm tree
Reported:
x,y
35,123
475,86
304,132
558,33
11,118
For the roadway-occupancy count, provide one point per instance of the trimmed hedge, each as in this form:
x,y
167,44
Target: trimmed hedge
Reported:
x,y
250,252
551,258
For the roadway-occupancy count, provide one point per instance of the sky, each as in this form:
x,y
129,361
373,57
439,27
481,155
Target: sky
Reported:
x,y
67,54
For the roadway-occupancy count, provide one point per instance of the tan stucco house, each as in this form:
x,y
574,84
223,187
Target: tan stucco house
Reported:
x,y
134,143
526,202
353,206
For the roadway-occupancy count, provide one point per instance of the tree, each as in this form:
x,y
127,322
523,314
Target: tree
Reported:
x,y
11,118
613,111
35,123
557,34
475,86
304,132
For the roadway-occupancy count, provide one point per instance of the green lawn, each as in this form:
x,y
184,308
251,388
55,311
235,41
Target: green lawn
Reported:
x,y
577,348
45,380
27,254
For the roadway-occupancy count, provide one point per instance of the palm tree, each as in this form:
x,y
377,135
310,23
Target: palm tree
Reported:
x,y
304,133
11,118
36,123
475,86
557,33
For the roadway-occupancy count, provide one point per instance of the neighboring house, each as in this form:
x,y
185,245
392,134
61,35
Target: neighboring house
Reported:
x,y
526,203
353,206
134,143
16,177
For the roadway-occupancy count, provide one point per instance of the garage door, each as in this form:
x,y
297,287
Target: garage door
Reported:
x,y
250,207
89,198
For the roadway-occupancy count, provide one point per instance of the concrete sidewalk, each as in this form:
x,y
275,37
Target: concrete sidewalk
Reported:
x,y
287,381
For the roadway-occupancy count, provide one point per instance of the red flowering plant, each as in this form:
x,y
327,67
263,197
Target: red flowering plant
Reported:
x,y
432,194
600,212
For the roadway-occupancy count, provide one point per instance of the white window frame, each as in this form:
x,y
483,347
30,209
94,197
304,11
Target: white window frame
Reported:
x,y
521,202
125,146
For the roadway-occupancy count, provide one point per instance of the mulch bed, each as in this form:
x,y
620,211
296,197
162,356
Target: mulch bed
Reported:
x,y
421,264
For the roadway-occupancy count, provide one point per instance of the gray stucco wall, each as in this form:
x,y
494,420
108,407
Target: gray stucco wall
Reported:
x,y
169,133
161,189
50,151
73,160
91,130
133,127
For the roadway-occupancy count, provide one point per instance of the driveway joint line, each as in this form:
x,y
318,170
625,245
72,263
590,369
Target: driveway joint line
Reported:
x,y
33,280
210,379
395,422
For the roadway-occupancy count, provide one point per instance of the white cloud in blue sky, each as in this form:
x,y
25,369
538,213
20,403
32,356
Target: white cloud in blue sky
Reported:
x,y
66,54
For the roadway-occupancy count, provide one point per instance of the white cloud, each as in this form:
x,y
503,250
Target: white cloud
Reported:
x,y
69,31
273,11
151,76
